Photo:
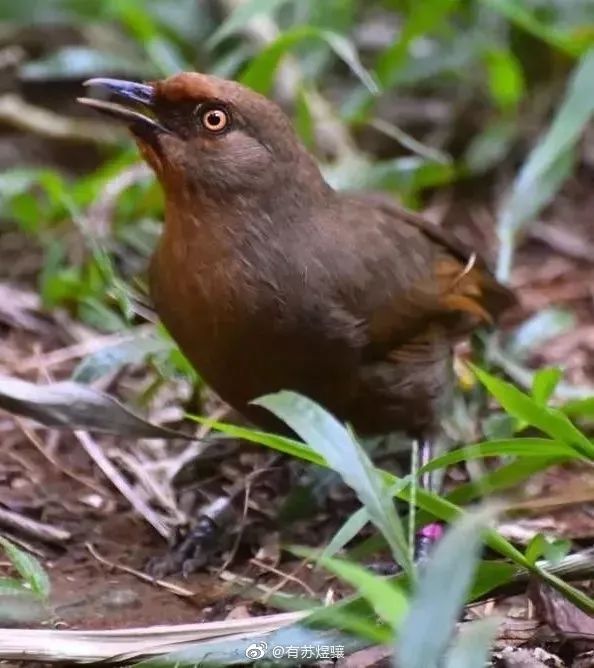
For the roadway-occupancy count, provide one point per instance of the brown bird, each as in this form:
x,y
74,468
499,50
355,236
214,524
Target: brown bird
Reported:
x,y
269,279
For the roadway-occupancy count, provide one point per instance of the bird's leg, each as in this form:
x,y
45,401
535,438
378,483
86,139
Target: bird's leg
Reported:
x,y
195,549
428,535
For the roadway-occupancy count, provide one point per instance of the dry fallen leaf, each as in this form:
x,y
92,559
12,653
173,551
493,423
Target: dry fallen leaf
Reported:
x,y
560,614
73,406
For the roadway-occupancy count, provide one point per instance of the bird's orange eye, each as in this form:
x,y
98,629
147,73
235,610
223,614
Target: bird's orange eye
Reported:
x,y
215,119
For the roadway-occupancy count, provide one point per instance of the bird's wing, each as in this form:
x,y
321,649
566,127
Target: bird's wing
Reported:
x,y
451,293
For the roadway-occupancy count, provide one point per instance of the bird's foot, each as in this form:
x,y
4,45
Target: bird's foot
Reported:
x,y
188,553
425,541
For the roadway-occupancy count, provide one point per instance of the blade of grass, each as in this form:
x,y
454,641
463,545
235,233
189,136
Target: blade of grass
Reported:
x,y
518,13
282,444
503,478
490,575
473,645
551,160
387,599
544,384
28,568
519,447
261,70
549,420
433,504
346,533
242,15
441,593
324,433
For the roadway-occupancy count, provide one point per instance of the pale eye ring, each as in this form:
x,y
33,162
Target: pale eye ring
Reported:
x,y
215,119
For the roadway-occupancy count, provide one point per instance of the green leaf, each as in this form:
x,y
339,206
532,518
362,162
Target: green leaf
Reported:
x,y
243,14
408,142
434,505
361,623
441,593
491,145
550,162
556,550
504,477
549,420
261,70
28,568
423,17
505,78
490,575
387,599
518,447
12,587
582,408
544,384
100,316
527,198
473,645
31,209
325,435
516,12
131,350
163,53
16,182
22,609
351,528
347,52
541,546
279,443
407,175
303,120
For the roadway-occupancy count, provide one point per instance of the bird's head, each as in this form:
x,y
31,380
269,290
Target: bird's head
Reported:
x,y
209,135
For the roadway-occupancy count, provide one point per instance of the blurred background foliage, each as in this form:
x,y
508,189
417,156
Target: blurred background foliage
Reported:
x,y
440,102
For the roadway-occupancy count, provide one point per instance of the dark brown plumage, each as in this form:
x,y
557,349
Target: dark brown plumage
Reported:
x,y
268,279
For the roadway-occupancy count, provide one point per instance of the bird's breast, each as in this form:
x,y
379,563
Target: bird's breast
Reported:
x,y
242,329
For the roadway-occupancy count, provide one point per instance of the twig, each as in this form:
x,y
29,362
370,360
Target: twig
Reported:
x,y
173,588
25,545
409,142
16,112
77,350
171,466
164,497
33,528
33,470
285,576
251,585
121,484
562,239
237,541
36,442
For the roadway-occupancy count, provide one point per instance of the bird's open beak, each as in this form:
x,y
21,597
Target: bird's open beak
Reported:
x,y
134,103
